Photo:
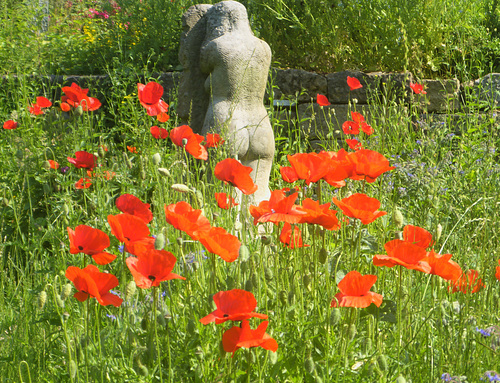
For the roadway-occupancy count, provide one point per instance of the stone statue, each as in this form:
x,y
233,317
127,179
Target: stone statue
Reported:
x,y
236,65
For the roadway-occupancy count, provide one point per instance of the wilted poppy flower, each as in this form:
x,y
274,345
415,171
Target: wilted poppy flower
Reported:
x,y
128,228
279,208
213,140
183,217
443,266
53,164
468,283
245,337
353,83
184,137
90,282
83,159
322,100
83,183
418,236
360,206
76,96
417,88
150,98
236,174
90,241
233,305
354,144
319,214
403,254
497,274
10,124
218,241
132,149
128,203
41,102
291,238
159,133
151,266
368,165
355,291
225,201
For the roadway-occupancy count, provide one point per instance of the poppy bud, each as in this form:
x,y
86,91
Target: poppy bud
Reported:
x,y
78,110
160,241
5,201
72,369
46,165
184,141
244,253
144,323
366,346
291,297
335,317
306,279
65,209
130,290
142,174
191,327
238,226
127,161
42,299
268,274
66,291
59,301
309,365
199,197
143,370
439,231
249,285
254,279
47,189
317,378
282,297
323,256
164,172
101,152
397,217
181,188
382,362
156,159
351,332
266,240
400,379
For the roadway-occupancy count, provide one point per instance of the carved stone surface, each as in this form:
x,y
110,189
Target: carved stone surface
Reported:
x,y
235,64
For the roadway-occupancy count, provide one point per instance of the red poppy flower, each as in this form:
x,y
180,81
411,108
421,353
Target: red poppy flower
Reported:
x,y
319,214
183,217
233,305
497,274
90,241
279,208
360,206
53,164
355,291
245,337
368,165
353,83
159,133
322,100
443,266
468,283
288,174
418,236
225,201
65,107
310,167
151,266
236,174
83,183
76,96
83,159
417,88
184,137
10,124
354,144
128,228
128,203
350,127
218,241
90,282
41,102
367,129
339,167
291,239
213,140
132,149
150,98
403,254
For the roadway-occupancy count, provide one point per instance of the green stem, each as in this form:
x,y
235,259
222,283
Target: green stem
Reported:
x,y
155,317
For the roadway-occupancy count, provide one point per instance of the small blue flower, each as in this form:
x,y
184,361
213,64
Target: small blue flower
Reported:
x,y
111,316
484,333
121,247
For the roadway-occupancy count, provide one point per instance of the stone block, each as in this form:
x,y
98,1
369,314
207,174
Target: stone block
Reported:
x,y
442,96
485,91
291,83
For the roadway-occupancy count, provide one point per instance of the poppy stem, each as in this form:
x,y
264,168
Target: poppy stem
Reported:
x,y
86,343
155,318
249,362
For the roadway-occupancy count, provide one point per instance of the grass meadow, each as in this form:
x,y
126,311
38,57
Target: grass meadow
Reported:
x,y
97,287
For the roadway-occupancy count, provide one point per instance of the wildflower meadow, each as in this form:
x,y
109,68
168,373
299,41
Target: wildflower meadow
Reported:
x,y
131,249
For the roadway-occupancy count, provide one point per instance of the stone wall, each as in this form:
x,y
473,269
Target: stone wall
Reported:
x,y
295,90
